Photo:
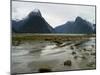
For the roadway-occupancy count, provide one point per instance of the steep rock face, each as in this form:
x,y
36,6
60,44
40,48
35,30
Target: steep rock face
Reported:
x,y
94,27
65,28
33,23
78,26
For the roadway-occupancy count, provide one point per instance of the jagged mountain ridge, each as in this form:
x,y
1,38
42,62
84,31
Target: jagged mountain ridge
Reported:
x,y
78,26
33,23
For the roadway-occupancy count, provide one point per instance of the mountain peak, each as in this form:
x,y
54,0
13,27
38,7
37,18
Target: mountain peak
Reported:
x,y
78,18
35,12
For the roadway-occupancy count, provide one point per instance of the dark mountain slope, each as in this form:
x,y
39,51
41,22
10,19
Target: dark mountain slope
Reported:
x,y
33,23
78,26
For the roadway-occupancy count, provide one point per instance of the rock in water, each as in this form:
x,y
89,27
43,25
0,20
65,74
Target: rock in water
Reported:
x,y
42,70
68,63
75,57
83,57
71,47
73,53
93,53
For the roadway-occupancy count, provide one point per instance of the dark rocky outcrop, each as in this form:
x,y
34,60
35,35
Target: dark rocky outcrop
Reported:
x,y
78,26
33,23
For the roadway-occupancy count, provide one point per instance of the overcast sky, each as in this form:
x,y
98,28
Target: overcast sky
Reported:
x,y
54,14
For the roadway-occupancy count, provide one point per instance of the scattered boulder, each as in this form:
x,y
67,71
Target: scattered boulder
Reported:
x,y
68,63
73,53
87,54
16,43
93,53
84,49
93,46
83,57
42,70
75,57
57,42
91,64
71,47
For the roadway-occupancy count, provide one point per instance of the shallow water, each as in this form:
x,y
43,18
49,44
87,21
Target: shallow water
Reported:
x,y
30,56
